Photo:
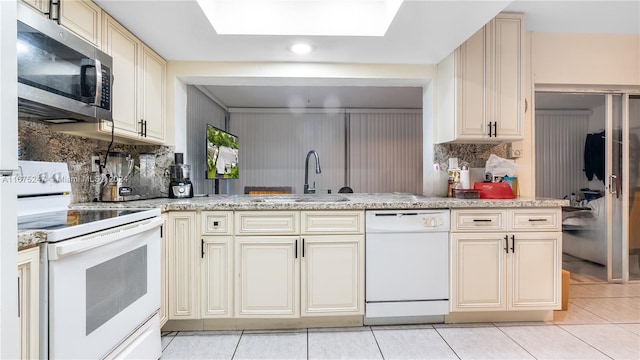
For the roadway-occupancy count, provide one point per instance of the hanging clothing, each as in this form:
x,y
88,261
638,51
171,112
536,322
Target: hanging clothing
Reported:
x,y
594,156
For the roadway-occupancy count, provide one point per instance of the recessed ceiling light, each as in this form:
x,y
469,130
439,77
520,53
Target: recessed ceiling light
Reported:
x,y
301,17
301,48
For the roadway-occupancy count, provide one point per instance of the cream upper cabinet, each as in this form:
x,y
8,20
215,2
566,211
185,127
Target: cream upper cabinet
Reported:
x,y
151,94
124,47
480,88
184,276
83,17
267,277
138,87
40,5
28,303
514,267
138,91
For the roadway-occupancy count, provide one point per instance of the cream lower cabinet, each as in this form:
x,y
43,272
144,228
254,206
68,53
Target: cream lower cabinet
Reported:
x,y
183,256
288,273
267,276
506,259
332,275
28,303
216,264
164,272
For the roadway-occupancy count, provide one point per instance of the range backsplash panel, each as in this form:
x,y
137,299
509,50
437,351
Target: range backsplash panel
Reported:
x,y
39,143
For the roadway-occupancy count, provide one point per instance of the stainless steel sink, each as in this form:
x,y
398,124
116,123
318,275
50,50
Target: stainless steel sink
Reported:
x,y
299,199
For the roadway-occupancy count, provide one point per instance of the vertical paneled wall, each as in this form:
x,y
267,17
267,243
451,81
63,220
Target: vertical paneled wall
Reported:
x,y
385,152
274,144
201,110
560,139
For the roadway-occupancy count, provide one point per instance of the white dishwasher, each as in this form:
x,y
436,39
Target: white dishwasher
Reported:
x,y
407,266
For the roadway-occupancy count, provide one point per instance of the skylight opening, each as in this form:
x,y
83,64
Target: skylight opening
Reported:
x,y
301,17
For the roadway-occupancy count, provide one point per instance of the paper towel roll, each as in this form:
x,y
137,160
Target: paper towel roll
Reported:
x,y
464,179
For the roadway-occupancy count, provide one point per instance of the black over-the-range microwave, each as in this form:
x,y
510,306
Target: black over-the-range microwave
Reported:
x,y
61,77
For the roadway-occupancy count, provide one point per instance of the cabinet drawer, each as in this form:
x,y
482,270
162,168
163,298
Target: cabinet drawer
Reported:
x,y
535,220
267,222
216,223
478,220
332,222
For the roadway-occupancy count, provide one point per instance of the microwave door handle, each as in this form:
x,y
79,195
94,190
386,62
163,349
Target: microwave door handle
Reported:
x,y
98,97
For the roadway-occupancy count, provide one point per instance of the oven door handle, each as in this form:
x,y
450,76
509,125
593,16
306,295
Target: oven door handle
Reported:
x,y
92,241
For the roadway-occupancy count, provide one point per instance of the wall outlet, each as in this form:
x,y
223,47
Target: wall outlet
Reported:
x,y
514,150
95,163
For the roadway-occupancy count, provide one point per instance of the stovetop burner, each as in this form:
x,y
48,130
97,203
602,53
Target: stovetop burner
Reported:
x,y
66,224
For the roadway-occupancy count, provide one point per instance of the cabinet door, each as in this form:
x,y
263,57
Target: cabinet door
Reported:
x,y
332,275
28,303
152,94
472,78
216,274
83,18
184,252
508,68
164,272
267,276
124,48
478,272
40,5
535,270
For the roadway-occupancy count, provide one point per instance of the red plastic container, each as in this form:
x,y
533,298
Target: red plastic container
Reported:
x,y
491,190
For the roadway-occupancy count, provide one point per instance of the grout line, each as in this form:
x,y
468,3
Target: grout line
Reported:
x,y
376,340
237,344
446,342
583,341
517,343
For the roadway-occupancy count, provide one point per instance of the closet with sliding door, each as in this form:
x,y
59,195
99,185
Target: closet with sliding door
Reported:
x,y
587,150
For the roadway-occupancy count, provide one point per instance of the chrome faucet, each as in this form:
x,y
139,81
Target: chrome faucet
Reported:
x,y
307,189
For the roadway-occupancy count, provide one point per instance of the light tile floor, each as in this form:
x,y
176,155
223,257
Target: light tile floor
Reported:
x,y
602,322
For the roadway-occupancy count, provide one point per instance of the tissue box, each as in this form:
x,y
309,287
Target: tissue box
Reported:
x,y
494,190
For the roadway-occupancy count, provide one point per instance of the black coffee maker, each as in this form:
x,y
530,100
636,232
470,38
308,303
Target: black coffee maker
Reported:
x,y
180,185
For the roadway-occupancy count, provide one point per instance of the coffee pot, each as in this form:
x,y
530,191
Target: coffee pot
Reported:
x,y
180,185
115,178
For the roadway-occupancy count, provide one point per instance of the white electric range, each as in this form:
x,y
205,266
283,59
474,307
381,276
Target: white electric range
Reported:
x,y
100,288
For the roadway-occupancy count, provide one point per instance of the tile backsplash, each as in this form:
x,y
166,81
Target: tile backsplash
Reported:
x,y
474,154
38,142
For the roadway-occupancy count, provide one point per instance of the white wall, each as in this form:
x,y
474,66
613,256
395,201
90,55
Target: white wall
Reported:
x,y
586,59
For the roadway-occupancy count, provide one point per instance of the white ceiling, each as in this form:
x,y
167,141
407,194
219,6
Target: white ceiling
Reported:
x,y
423,32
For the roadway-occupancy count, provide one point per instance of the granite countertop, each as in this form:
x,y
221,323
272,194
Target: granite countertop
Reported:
x,y
357,201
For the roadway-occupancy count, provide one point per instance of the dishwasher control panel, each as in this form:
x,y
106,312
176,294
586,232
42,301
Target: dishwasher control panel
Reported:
x,y
410,220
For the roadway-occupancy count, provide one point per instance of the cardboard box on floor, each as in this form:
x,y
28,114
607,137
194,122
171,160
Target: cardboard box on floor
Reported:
x,y
565,289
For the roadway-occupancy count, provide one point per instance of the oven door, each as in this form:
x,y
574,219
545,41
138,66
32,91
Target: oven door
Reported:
x,y
102,287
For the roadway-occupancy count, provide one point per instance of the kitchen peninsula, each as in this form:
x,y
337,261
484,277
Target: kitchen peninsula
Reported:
x,y
222,257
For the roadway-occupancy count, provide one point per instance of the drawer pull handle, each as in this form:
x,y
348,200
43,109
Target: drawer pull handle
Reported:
x,y
481,220
537,220
215,223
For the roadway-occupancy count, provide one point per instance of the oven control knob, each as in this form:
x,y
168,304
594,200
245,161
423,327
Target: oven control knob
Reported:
x,y
57,177
43,177
432,223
